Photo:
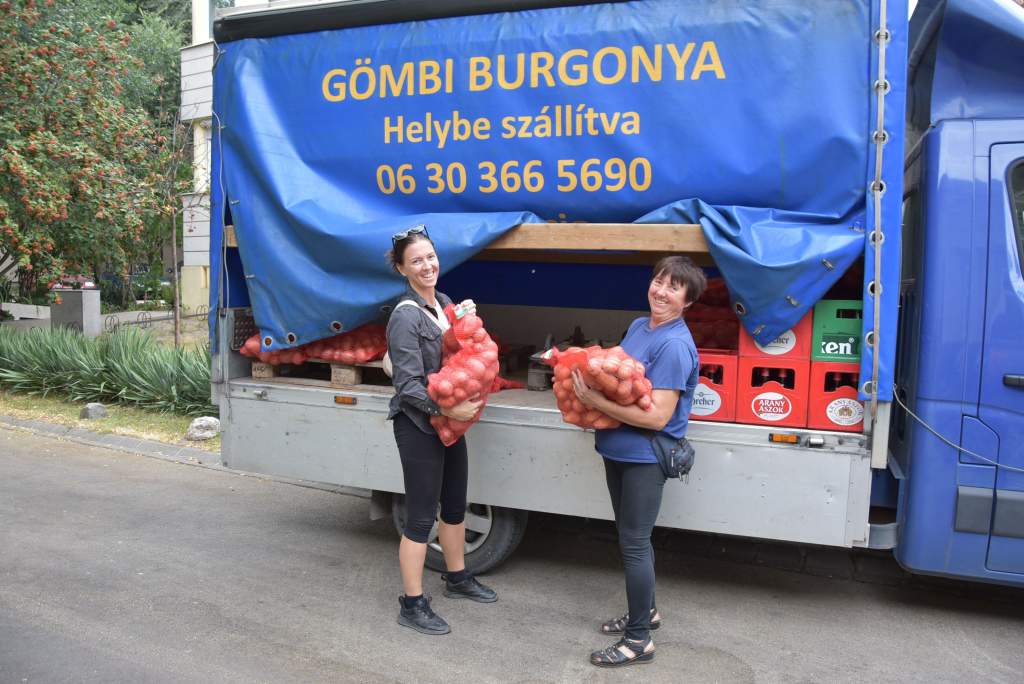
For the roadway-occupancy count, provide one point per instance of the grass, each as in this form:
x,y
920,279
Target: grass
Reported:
x,y
127,367
121,420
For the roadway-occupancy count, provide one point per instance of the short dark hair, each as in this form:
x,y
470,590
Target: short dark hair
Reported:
x,y
682,271
396,255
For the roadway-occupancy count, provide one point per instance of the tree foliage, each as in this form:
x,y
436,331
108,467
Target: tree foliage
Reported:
x,y
85,118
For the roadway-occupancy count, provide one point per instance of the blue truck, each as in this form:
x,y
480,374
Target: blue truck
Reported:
x,y
554,150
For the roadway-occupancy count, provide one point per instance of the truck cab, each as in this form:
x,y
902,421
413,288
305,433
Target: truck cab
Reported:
x,y
958,426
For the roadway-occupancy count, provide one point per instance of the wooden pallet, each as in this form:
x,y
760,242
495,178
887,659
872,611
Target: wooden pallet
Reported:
x,y
342,375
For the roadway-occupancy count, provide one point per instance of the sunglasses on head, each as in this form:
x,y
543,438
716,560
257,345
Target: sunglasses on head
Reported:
x,y
415,230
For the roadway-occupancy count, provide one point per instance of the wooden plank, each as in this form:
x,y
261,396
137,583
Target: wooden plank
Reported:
x,y
619,237
342,375
345,376
650,237
263,371
564,257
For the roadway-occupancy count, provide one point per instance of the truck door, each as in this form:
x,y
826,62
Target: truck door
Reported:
x,y
1002,383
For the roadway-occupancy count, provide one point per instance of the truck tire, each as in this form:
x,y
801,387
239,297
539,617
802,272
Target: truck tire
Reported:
x,y
492,534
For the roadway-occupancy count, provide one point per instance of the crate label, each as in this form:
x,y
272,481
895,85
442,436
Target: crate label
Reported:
x,y
840,344
782,344
706,401
771,406
845,411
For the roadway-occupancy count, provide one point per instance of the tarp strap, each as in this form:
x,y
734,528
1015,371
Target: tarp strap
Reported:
x,y
877,236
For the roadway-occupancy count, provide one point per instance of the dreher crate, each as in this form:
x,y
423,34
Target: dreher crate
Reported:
x,y
772,391
795,343
714,398
833,401
837,329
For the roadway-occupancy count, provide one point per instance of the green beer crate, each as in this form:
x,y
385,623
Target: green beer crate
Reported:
x,y
837,328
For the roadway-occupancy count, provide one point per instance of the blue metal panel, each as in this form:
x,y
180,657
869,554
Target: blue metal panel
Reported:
x,y
952,287
1002,406
977,437
975,35
589,286
970,475
884,489
952,278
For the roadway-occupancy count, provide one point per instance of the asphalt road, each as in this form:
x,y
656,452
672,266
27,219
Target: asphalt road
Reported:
x,y
123,568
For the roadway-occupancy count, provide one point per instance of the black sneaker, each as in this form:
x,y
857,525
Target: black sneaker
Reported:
x,y
420,617
469,588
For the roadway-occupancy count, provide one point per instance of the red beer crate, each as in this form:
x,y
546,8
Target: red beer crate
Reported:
x,y
715,395
772,391
795,343
833,401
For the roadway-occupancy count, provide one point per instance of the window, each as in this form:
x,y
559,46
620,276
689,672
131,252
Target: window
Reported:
x,y
1016,186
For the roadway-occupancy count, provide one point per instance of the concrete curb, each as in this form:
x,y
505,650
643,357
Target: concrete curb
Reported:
x,y
173,453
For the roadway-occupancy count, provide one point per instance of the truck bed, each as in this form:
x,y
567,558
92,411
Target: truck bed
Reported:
x,y
524,456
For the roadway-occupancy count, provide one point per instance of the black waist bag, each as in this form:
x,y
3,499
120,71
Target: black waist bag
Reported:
x,y
675,456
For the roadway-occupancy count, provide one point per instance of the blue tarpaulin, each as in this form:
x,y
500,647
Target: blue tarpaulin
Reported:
x,y
328,142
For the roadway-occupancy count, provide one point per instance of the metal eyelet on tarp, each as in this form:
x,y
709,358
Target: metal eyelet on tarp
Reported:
x,y
291,338
336,326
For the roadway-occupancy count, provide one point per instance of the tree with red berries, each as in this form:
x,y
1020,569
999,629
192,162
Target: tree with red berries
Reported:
x,y
83,164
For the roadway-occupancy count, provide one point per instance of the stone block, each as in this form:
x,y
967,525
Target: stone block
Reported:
x,y
93,411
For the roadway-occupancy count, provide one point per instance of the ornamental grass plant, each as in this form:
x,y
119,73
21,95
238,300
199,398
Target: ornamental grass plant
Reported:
x,y
127,366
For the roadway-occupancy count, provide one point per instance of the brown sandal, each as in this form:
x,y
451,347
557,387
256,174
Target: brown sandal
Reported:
x,y
624,652
618,625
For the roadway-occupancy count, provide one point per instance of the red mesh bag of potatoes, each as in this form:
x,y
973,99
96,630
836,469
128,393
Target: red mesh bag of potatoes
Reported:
x,y
613,372
251,348
468,371
361,345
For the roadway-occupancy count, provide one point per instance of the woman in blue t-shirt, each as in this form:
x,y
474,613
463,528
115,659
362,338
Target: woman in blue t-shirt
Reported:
x,y
663,343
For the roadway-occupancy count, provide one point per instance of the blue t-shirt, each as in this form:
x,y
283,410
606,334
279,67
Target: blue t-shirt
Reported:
x,y
670,357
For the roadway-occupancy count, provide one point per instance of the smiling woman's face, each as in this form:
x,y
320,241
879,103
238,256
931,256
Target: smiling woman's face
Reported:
x,y
420,264
666,299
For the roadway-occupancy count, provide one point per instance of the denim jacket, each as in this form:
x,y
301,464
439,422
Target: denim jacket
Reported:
x,y
415,348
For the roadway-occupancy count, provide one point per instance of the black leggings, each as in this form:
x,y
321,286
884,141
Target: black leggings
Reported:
x,y
431,471
636,489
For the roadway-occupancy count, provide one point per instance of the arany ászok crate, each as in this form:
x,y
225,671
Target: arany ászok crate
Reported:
x,y
772,391
833,403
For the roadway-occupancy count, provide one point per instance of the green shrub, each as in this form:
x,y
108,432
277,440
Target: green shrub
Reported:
x,y
127,367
